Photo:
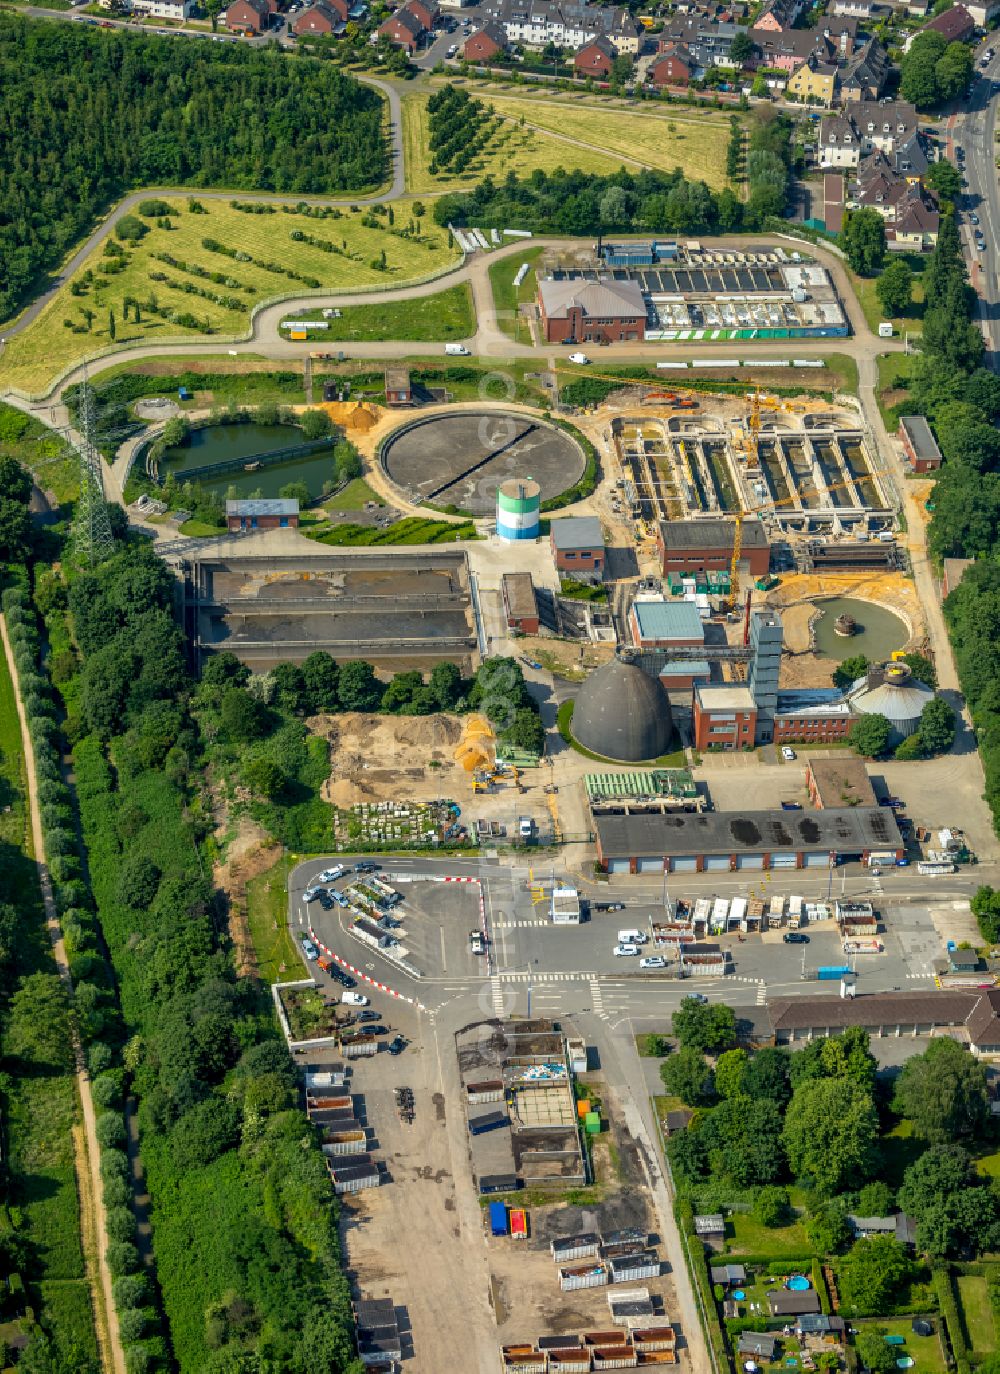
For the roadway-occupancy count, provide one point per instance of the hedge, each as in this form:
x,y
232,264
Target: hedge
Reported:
x,y
948,1304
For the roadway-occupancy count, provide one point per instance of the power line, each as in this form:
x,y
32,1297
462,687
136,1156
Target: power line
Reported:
x,y
92,534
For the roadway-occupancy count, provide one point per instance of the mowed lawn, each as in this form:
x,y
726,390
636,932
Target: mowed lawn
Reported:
x,y
32,359
512,148
507,297
444,314
976,1313
626,137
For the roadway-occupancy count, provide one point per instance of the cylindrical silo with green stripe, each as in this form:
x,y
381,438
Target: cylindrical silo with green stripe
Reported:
x,y
519,502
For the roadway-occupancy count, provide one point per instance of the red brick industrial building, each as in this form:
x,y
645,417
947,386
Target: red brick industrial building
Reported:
x,y
520,606
604,311
577,543
694,546
264,514
919,444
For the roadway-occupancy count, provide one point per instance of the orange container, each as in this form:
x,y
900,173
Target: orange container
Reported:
x,y
582,1108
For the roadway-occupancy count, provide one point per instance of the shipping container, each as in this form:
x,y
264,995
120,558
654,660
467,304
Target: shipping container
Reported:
x,y
656,1359
583,1107
610,1337
830,972
614,1357
631,1313
522,1359
575,1247
498,1218
627,1233
318,1076
634,1268
477,1093
927,870
776,911
488,1121
355,1180
558,1342
498,1183
569,1361
362,1048
315,1105
738,914
577,1050
585,1276
654,1338
519,1224
336,1121
345,1142
622,1248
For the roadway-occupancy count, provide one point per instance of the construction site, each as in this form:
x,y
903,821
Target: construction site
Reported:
x,y
803,467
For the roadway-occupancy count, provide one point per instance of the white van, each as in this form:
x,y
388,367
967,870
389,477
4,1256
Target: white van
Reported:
x,y
355,999
631,937
457,350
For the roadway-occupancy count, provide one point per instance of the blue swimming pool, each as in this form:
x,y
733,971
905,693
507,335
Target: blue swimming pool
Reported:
x,y
798,1283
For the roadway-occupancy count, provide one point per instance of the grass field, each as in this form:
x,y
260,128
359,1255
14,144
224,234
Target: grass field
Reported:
x,y
977,1314
925,1351
33,358
745,1235
443,315
521,149
267,908
627,137
355,496
911,322
47,455
507,297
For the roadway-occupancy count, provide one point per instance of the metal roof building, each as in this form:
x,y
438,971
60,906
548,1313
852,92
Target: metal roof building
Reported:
x,y
577,532
891,691
661,623
721,841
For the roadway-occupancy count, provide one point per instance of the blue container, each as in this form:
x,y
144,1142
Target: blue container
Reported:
x,y
833,970
498,1218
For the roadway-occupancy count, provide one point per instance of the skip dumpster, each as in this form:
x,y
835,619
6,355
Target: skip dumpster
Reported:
x,y
498,1218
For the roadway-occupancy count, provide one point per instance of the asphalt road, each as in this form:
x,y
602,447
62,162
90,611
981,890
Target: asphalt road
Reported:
x,y
971,128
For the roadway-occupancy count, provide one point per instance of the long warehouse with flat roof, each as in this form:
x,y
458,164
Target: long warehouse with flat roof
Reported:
x,y
720,841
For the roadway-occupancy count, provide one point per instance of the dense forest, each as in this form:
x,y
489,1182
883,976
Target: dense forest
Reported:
x,y
576,202
88,115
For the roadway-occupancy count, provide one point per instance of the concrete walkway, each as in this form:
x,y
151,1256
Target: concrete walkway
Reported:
x,y
113,1357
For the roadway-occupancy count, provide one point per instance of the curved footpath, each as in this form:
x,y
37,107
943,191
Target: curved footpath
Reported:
x,y
108,1332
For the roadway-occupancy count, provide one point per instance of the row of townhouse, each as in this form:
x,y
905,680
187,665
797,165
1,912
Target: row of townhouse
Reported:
x,y
569,24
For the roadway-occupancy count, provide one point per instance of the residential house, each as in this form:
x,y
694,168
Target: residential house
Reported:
x,y
425,11
178,10
760,1345
956,24
865,75
783,1302
814,83
404,29
916,225
856,9
675,1121
486,43
323,17
983,12
819,1324
566,23
252,16
899,1227
708,44
602,311
863,127
595,58
673,67
778,15
832,42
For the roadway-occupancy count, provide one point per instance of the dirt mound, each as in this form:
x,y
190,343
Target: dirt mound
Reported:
x,y
378,758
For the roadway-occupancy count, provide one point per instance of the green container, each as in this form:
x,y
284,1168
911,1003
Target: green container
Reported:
x,y
592,1124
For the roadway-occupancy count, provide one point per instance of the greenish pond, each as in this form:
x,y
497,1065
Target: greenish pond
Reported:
x,y
237,446
878,633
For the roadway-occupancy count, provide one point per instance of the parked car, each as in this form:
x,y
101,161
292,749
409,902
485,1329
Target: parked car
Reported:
x,y
366,866
698,997
369,1029
624,951
791,806
609,906
311,952
580,359
330,875
326,901
973,219
795,937
344,979
369,1016
398,1045
653,961
355,999
787,753
452,50
311,893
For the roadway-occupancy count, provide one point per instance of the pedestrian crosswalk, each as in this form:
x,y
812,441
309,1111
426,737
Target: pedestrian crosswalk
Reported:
x,y
545,977
519,925
597,998
497,990
762,994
